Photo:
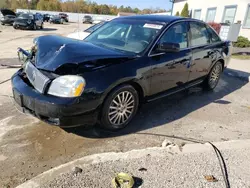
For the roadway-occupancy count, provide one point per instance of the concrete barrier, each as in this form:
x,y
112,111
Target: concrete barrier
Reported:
x,y
73,17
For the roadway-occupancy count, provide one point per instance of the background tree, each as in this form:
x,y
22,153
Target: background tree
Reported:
x,y
41,5
77,6
177,13
185,12
3,4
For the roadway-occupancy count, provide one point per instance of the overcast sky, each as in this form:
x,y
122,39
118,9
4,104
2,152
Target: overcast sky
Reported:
x,y
164,4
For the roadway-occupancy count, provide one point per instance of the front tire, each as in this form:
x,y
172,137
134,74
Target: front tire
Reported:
x,y
214,76
119,108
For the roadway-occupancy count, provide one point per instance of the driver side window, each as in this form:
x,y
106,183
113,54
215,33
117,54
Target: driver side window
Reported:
x,y
176,34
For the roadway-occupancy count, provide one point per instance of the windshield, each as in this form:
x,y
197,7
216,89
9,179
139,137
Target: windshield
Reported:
x,y
26,16
94,27
126,35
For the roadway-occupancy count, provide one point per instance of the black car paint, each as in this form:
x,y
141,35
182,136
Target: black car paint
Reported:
x,y
57,20
22,23
46,17
53,53
153,75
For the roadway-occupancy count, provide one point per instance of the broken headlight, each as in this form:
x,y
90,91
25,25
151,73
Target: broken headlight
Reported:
x,y
67,86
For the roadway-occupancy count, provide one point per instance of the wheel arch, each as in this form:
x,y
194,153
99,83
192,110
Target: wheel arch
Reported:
x,y
218,60
134,84
222,61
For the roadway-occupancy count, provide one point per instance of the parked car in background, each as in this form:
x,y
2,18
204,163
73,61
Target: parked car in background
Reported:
x,y
80,35
64,16
87,19
18,13
7,16
56,19
28,21
46,17
127,61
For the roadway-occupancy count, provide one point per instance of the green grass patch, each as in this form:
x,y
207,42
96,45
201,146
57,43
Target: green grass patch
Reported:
x,y
240,56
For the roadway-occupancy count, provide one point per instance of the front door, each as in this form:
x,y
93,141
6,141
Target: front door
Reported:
x,y
171,69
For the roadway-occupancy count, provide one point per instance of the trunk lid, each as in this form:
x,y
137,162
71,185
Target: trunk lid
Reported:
x,y
7,12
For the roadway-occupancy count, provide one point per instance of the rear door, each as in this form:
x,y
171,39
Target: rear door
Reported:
x,y
202,50
171,69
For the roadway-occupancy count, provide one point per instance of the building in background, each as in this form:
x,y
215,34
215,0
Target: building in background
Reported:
x,y
219,11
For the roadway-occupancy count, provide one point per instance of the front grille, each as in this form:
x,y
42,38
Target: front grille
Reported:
x,y
36,78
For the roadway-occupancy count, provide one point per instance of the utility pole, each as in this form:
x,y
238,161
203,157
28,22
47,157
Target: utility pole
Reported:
x,y
29,5
172,1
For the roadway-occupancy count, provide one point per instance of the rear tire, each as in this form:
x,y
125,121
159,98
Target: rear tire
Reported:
x,y
119,108
41,26
2,24
213,77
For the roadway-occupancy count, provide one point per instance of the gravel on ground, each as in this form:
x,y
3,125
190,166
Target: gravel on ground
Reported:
x,y
165,170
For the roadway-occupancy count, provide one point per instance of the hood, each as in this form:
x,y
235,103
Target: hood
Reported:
x,y
7,12
55,53
80,35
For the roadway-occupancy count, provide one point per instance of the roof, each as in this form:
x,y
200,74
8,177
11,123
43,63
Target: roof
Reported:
x,y
154,18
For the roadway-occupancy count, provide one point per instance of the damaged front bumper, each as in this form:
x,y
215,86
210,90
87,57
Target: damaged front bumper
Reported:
x,y
23,26
64,112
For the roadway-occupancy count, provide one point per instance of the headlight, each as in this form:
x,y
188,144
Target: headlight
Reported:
x,y
29,22
67,86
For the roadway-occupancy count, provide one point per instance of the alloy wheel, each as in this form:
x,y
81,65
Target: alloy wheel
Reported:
x,y
121,108
215,75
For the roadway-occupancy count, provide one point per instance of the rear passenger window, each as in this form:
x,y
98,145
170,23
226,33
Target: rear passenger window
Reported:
x,y
176,34
199,34
213,35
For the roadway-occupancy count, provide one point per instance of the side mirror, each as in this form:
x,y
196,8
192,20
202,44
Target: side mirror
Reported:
x,y
168,47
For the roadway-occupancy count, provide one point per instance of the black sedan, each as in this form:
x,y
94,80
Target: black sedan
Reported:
x,y
127,61
7,16
28,21
56,19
